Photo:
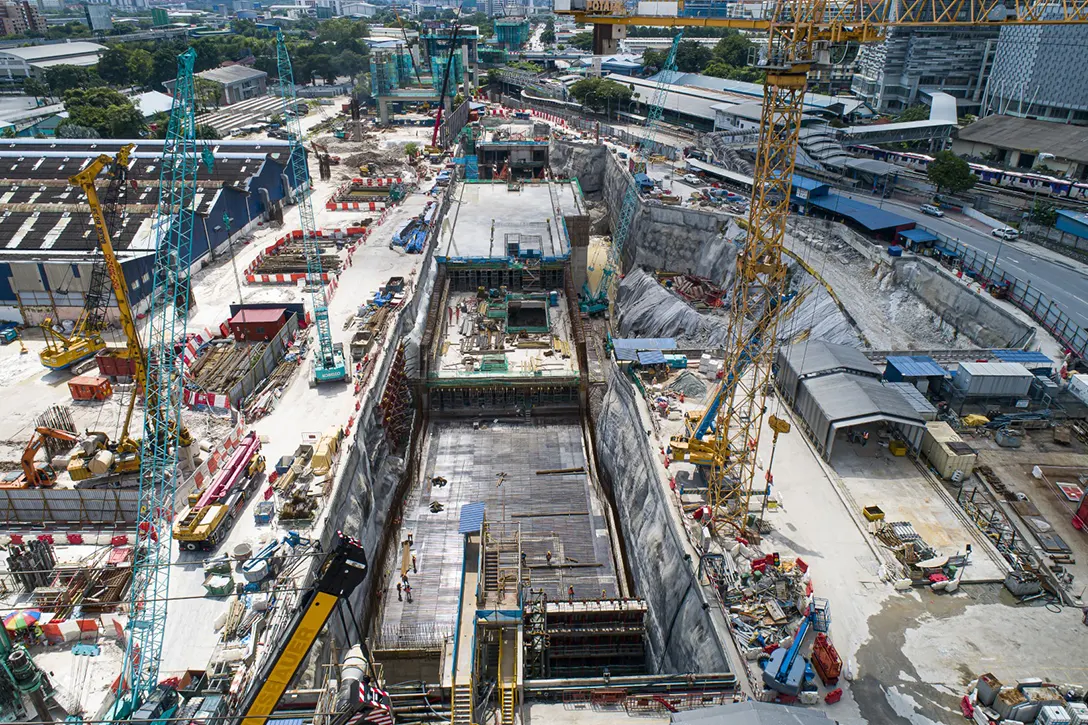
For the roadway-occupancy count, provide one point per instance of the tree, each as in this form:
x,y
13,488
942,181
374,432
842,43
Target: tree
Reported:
x,y
208,93
582,41
105,110
525,66
718,69
654,59
72,130
733,50
34,87
113,66
1044,213
349,63
494,76
601,94
548,36
321,65
411,150
950,173
61,78
692,57
919,112
141,65
206,132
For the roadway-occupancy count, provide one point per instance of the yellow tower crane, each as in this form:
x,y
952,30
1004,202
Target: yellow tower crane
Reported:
x,y
800,33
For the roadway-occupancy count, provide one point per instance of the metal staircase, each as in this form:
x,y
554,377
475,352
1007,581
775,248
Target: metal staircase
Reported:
x,y
461,707
508,692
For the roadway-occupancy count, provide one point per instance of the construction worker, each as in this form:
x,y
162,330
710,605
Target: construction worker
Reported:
x,y
408,592
524,559
398,592
570,593
548,557
865,439
414,569
409,538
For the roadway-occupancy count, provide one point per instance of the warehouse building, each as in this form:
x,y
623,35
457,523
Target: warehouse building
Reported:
x,y
19,63
49,241
835,389
237,83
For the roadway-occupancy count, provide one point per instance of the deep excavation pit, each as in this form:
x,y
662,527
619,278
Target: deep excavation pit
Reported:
x,y
494,349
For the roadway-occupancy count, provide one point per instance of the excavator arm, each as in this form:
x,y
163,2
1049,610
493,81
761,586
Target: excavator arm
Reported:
x,y
42,478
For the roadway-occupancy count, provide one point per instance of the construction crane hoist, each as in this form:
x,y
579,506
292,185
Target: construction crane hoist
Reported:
x,y
329,364
160,444
799,38
63,351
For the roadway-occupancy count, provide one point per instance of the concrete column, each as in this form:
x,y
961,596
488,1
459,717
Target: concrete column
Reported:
x,y
578,228
383,110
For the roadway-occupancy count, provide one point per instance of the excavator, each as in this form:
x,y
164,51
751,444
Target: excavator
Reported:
x,y
125,451
34,475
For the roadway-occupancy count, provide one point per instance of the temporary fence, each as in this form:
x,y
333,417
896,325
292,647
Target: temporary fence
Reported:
x,y
204,472
1031,300
69,506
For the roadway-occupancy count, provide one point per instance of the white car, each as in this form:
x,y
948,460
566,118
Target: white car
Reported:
x,y
691,178
1005,233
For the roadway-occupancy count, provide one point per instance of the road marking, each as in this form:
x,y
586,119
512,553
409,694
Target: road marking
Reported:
x,y
1078,297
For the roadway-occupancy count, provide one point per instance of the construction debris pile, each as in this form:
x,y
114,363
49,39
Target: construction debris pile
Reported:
x,y
290,258
923,565
700,292
413,235
301,480
1031,701
93,584
222,363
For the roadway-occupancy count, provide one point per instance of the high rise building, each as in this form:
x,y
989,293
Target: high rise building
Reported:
x,y
1041,72
901,71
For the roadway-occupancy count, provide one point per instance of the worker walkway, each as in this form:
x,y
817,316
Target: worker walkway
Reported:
x,y
465,647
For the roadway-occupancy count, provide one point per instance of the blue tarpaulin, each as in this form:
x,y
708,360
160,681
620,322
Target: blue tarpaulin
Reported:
x,y
627,349
918,236
901,367
872,218
472,518
651,357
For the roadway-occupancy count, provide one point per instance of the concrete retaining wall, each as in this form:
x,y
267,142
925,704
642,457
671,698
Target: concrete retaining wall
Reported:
x,y
977,316
681,636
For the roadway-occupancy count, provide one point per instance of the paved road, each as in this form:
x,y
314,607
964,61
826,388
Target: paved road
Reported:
x,y
1063,283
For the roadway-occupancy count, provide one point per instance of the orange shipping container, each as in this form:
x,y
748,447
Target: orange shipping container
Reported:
x,y
90,387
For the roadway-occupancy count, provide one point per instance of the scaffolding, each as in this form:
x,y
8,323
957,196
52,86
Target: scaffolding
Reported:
x,y
438,72
384,72
512,34
582,638
396,404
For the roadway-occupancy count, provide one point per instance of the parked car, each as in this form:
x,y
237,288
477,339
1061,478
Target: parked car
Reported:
x,y
691,178
931,210
1005,233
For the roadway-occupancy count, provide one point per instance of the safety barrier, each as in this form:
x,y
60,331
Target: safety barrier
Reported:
x,y
1037,305
292,278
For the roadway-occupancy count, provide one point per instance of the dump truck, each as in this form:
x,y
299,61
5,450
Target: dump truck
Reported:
x,y
212,510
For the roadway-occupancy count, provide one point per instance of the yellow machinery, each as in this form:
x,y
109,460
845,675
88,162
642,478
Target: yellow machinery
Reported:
x,y
343,570
800,34
125,450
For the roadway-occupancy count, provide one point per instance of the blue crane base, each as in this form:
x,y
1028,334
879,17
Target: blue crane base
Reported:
x,y
332,370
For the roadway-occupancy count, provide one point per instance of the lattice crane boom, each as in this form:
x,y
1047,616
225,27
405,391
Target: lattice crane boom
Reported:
x,y
329,364
162,385
798,32
655,110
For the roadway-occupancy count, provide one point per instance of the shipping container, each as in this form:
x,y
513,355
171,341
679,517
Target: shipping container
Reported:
x,y
946,451
115,364
258,324
1078,386
993,380
90,387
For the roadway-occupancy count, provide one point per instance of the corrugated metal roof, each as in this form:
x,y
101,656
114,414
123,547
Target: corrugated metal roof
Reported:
x,y
915,399
1027,357
651,357
261,315
995,369
918,235
843,396
872,218
472,518
917,366
816,356
627,349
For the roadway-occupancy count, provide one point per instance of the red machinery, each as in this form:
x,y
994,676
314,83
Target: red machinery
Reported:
x,y
230,474
826,660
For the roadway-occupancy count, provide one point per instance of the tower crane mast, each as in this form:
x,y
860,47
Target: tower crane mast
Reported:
x,y
799,33
329,365
162,390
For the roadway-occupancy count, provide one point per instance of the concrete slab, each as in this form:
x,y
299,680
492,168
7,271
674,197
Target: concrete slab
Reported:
x,y
521,361
873,476
561,514
485,216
